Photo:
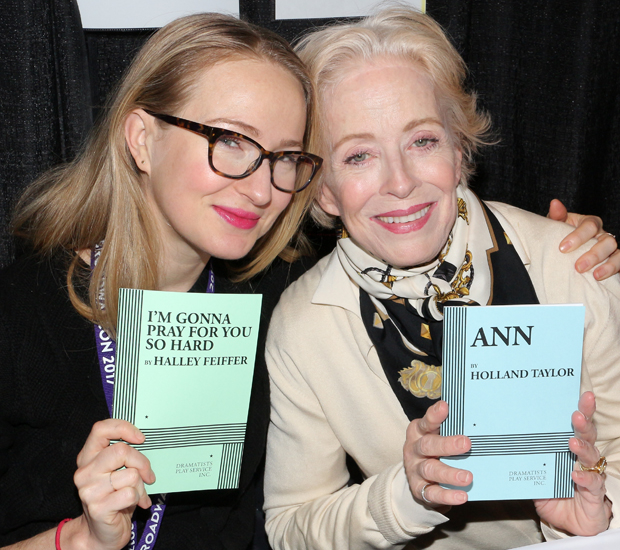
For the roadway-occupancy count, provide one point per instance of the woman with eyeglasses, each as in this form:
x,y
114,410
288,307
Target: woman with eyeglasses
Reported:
x,y
199,158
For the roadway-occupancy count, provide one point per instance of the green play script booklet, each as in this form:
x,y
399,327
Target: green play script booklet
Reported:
x,y
511,379
185,363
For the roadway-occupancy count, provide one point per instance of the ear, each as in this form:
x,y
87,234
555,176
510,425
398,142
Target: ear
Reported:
x,y
327,200
138,126
458,160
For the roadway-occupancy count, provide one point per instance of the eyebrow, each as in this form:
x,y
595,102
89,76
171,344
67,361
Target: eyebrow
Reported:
x,y
352,136
255,133
426,120
410,126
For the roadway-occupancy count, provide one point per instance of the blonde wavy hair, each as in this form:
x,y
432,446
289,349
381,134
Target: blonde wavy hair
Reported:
x,y
402,32
99,197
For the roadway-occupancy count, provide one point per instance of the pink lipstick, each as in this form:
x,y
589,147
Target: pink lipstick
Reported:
x,y
237,217
405,221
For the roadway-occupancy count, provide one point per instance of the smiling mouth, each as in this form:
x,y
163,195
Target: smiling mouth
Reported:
x,y
405,219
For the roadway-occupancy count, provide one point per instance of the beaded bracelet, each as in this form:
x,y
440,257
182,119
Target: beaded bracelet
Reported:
x,y
58,529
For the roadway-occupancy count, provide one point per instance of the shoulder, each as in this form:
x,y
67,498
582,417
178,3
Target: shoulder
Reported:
x,y
298,295
270,283
532,228
32,277
536,238
300,320
33,293
553,273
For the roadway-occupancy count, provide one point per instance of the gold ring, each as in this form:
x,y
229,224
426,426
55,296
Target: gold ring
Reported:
x,y
423,493
599,467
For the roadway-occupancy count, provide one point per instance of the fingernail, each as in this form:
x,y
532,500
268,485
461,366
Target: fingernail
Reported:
x,y
582,266
461,497
461,443
462,477
565,247
580,442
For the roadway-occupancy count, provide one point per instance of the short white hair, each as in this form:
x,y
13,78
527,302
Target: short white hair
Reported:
x,y
401,32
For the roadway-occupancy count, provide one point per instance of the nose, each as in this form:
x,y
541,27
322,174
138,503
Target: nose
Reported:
x,y
257,186
399,178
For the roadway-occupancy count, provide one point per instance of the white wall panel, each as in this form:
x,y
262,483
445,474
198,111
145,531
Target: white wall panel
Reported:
x,y
145,14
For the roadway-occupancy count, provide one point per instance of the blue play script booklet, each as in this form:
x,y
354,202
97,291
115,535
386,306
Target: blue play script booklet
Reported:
x,y
511,378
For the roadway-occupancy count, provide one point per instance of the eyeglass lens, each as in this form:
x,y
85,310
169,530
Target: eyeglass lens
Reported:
x,y
234,156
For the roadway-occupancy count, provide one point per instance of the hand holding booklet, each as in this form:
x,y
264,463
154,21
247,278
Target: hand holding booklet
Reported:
x,y
184,372
511,377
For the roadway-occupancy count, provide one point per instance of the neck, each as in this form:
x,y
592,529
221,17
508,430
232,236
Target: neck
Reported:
x,y
180,276
174,276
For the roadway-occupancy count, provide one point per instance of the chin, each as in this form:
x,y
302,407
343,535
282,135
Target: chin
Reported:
x,y
232,255
403,262
224,250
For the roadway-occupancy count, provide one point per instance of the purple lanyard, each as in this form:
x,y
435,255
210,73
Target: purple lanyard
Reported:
x,y
106,352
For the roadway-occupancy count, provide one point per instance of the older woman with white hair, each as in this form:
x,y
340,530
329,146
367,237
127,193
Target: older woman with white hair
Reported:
x,y
398,132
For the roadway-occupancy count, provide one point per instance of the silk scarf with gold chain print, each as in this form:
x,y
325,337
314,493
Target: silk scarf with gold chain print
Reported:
x,y
402,309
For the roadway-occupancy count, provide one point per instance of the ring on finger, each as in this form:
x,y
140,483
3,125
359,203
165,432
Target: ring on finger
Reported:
x,y
423,493
112,484
599,467
605,233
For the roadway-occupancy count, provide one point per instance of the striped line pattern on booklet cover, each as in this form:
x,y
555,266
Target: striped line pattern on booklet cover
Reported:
x,y
129,327
518,444
563,485
453,371
191,436
230,469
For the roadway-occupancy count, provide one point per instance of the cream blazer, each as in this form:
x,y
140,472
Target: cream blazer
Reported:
x,y
330,398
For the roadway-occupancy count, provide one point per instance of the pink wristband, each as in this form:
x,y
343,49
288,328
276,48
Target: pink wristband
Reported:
x,y
58,529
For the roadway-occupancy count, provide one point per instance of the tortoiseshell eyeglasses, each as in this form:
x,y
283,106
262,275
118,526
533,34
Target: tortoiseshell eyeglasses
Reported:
x,y
236,156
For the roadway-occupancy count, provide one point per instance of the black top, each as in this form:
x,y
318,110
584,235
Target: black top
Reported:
x,y
51,394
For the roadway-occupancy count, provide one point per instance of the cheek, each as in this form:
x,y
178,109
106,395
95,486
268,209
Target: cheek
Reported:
x,y
352,195
279,203
196,180
439,172
450,215
183,165
203,181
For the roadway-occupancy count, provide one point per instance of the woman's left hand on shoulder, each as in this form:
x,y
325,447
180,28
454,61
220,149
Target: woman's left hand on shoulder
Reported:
x,y
589,511
605,252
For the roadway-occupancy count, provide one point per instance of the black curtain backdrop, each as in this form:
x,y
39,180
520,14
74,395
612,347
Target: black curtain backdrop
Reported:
x,y
45,103
548,72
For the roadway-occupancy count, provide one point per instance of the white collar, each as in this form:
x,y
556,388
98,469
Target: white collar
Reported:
x,y
335,288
